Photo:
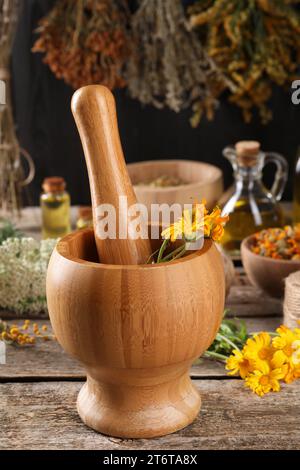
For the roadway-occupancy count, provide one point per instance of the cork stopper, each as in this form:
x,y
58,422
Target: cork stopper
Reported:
x,y
247,152
54,184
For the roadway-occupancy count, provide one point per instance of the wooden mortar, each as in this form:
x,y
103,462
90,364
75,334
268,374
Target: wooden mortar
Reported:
x,y
137,329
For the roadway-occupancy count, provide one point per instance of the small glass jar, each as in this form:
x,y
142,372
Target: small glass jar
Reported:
x,y
55,206
85,217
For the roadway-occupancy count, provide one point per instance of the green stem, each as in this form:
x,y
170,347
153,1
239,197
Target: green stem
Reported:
x,y
181,253
271,333
173,253
152,256
228,341
222,357
162,249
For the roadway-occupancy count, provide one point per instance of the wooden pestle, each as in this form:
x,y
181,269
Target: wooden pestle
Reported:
x,y
94,111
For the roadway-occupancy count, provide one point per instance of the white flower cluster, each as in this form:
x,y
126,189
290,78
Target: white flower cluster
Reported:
x,y
23,267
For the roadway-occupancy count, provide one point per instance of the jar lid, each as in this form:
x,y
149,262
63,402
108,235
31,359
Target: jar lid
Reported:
x,y
85,213
54,184
247,152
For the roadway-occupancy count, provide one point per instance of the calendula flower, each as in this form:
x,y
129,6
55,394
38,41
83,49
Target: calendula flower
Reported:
x,y
265,379
194,224
180,229
187,227
296,353
259,348
285,340
238,363
264,362
293,372
214,224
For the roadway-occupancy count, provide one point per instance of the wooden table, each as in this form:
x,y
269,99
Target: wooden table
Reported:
x,y
39,386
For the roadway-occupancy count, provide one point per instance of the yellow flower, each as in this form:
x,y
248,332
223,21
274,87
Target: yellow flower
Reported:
x,y
296,353
293,372
265,379
237,363
284,341
187,226
172,233
197,220
198,215
259,347
214,224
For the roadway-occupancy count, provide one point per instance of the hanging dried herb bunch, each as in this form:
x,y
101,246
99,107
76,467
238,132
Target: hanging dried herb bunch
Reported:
x,y
168,66
11,172
255,43
85,41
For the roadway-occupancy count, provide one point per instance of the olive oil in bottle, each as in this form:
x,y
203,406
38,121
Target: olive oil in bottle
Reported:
x,y
55,206
252,207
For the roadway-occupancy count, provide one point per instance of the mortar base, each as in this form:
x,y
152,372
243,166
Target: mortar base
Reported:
x,y
139,411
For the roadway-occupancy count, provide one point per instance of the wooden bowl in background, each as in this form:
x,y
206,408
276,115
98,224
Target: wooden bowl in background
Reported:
x,y
203,181
266,273
137,329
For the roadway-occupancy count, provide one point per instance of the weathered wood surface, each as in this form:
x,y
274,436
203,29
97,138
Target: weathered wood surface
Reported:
x,y
43,416
48,361
248,301
40,385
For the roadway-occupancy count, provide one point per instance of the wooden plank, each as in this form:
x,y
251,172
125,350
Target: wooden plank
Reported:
x,y
43,416
249,301
48,360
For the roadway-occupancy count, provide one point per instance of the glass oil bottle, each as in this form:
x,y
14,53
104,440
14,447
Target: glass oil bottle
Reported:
x,y
252,207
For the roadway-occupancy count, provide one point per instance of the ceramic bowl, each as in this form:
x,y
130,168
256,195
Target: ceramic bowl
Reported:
x,y
266,273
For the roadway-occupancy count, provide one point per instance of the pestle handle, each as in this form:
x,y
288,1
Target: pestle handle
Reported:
x,y
94,111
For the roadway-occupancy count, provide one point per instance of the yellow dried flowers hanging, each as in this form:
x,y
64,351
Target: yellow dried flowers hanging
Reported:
x,y
256,44
267,359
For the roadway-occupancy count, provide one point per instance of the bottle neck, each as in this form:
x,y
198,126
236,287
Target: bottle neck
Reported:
x,y
248,179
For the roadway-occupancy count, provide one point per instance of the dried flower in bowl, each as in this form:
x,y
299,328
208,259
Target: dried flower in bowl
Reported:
x,y
278,243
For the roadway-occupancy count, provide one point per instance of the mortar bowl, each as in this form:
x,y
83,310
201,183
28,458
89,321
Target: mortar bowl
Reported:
x,y
137,330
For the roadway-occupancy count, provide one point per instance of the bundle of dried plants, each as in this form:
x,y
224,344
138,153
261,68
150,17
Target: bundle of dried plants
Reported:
x,y
85,41
168,66
255,43
11,173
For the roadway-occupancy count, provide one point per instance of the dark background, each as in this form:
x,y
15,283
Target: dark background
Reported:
x,y
46,129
